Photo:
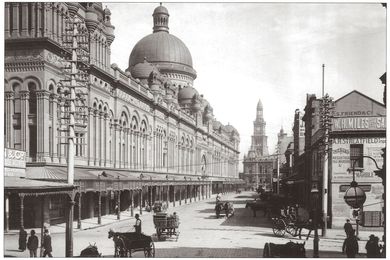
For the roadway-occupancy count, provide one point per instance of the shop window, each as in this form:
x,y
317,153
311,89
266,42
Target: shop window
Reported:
x,y
356,153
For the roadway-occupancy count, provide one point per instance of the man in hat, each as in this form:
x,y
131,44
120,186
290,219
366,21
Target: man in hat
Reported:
x,y
47,244
348,227
32,244
138,224
372,247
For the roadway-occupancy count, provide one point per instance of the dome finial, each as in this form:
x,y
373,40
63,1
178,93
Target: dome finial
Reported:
x,y
160,19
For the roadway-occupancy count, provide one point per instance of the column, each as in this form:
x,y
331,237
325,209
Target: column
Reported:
x,y
190,192
54,104
210,190
79,213
167,195
195,192
38,25
6,206
21,196
202,191
7,22
42,125
180,189
9,96
140,205
24,96
95,137
99,205
185,194
63,139
15,20
101,139
55,22
132,203
106,138
118,199
199,192
174,195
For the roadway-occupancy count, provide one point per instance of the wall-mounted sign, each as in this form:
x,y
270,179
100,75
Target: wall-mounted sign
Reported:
x,y
359,123
352,113
14,158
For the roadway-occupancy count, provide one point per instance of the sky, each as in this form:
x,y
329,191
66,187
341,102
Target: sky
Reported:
x,y
244,52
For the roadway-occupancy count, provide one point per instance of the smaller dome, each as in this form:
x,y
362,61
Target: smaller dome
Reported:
x,y
142,70
229,128
259,105
160,10
216,125
107,11
187,93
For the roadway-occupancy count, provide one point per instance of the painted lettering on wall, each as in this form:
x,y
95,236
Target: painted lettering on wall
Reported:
x,y
359,123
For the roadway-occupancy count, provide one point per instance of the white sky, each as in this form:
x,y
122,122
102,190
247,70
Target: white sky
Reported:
x,y
244,52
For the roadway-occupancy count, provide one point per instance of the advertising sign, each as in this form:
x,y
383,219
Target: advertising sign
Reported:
x,y
359,123
341,158
14,158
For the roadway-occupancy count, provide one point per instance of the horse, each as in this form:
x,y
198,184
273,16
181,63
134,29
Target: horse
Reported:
x,y
90,251
119,244
309,225
256,206
288,250
224,206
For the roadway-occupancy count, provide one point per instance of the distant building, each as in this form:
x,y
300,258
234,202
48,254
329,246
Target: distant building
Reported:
x,y
258,165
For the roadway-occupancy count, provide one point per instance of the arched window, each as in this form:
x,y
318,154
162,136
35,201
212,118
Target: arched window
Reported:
x,y
32,101
16,115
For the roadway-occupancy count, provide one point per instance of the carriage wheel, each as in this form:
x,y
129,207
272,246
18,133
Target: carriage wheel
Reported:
x,y
149,251
279,228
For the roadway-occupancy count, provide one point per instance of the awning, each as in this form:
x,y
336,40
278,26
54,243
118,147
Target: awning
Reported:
x,y
20,184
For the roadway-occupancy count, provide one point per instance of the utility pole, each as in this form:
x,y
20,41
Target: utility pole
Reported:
x,y
326,106
74,118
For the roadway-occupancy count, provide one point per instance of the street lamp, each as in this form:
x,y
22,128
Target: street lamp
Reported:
x,y
355,196
104,174
314,192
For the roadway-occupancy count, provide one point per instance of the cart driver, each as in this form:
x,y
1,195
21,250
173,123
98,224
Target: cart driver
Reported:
x,y
138,224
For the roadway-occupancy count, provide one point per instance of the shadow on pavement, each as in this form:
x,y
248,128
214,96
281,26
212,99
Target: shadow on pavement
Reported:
x,y
244,217
197,252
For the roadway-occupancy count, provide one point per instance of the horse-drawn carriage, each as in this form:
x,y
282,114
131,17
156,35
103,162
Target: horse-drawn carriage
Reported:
x,y
293,223
224,207
159,206
127,243
166,226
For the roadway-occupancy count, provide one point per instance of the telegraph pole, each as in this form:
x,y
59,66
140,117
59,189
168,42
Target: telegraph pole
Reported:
x,y
77,55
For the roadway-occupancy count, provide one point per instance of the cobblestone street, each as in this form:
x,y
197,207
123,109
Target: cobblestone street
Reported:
x,y
201,234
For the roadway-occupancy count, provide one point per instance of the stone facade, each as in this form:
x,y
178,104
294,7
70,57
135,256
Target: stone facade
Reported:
x,y
135,125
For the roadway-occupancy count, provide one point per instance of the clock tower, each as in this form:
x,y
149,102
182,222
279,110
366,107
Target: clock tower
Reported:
x,y
259,139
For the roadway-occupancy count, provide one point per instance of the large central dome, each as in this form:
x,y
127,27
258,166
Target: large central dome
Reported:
x,y
162,49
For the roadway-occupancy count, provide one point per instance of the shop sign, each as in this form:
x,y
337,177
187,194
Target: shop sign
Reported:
x,y
14,158
341,159
359,123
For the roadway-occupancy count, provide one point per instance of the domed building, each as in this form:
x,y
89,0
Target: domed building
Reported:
x,y
142,133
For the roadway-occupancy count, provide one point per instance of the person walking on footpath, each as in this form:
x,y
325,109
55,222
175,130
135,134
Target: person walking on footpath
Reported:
x,y
348,227
372,247
350,245
138,224
22,239
47,244
32,244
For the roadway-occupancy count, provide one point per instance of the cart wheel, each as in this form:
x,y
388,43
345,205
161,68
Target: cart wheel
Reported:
x,y
279,228
150,251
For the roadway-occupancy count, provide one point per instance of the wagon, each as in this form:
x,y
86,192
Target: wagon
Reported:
x,y
166,226
290,223
224,207
127,243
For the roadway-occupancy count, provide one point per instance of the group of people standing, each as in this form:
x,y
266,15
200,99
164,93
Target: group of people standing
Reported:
x,y
351,246
32,243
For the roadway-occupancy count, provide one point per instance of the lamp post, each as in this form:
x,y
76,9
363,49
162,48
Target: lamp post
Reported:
x,y
118,214
314,193
355,196
104,174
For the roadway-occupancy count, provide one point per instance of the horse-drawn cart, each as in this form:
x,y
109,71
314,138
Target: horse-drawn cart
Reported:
x,y
166,226
225,207
130,242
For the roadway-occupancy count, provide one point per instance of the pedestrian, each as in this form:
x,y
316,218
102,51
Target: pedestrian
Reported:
x,y
47,244
32,244
372,247
350,245
348,227
22,239
138,224
116,209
